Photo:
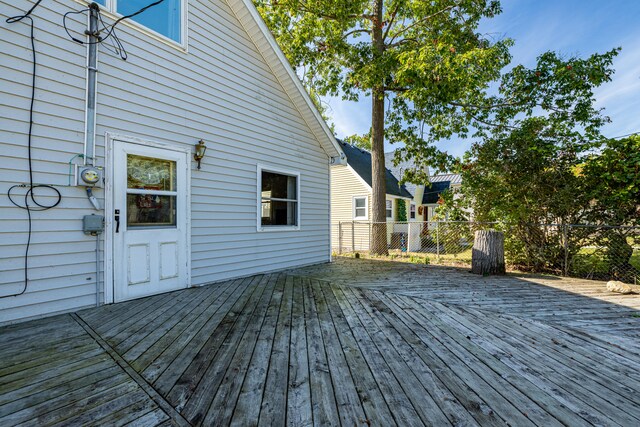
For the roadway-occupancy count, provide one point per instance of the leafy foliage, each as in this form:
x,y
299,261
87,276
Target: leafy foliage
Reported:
x,y
361,141
429,59
401,211
612,180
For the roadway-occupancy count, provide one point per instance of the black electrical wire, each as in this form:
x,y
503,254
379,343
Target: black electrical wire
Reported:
x,y
30,193
111,30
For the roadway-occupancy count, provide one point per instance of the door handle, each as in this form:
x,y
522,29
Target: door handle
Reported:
x,y
117,219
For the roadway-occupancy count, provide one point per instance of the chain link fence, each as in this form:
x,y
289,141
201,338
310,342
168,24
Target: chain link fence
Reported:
x,y
600,252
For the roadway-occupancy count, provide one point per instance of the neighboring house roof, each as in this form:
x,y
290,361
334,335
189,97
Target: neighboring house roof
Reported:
x,y
360,162
432,194
398,170
453,178
253,24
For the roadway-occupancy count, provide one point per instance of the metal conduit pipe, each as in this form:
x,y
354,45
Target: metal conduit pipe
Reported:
x,y
92,75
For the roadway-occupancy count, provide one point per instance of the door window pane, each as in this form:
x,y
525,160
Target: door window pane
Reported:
x,y
163,18
146,173
145,210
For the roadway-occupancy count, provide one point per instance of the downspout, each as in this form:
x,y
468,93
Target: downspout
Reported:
x,y
92,75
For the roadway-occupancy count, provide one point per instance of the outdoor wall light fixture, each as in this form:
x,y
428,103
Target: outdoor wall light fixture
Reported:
x,y
200,150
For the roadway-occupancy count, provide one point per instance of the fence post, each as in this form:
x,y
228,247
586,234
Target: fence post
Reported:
x,y
339,237
408,237
353,236
566,249
438,240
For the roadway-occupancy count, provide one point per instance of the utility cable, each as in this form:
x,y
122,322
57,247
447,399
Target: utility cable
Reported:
x,y
30,193
118,47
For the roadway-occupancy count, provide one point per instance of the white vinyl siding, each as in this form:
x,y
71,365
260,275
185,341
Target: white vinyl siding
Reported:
x,y
221,91
345,184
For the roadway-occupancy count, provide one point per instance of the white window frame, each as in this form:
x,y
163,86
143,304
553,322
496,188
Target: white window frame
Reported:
x,y
366,208
387,210
110,10
413,211
259,226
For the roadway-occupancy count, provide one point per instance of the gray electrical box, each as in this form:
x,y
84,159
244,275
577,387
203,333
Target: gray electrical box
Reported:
x,y
93,224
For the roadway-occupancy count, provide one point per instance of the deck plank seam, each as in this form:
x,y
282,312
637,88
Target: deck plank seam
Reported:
x,y
137,378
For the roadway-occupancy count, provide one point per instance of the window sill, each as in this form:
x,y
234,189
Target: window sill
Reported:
x,y
278,228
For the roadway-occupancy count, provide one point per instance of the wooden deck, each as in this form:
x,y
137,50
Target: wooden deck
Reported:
x,y
329,345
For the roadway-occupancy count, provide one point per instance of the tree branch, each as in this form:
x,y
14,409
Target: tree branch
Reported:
x,y
497,125
307,9
350,33
395,89
390,23
422,21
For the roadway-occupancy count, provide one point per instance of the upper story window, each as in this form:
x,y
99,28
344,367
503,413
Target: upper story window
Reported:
x,y
412,211
165,18
389,209
360,208
278,199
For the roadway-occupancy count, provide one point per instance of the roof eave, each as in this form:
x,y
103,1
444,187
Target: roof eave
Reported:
x,y
259,33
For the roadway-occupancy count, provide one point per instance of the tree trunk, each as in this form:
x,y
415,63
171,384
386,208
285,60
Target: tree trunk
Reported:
x,y
378,170
487,256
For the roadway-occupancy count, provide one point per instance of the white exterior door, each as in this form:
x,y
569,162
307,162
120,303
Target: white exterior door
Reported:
x,y
150,220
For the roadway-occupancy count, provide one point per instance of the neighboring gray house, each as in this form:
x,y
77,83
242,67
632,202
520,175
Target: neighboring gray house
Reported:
x,y
210,71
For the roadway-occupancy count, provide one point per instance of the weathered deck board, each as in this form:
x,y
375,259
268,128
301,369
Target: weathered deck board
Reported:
x,y
576,303
249,401
323,401
76,384
352,343
273,406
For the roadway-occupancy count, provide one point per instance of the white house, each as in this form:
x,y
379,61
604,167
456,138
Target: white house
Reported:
x,y
196,70
351,197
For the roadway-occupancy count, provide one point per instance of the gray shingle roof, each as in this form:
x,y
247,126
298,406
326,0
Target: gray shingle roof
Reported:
x,y
432,194
398,171
360,161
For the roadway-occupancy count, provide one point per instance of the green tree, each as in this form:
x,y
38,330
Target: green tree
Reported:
x,y
425,57
611,178
362,141
543,163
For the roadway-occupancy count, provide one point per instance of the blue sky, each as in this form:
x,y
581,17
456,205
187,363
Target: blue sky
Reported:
x,y
571,27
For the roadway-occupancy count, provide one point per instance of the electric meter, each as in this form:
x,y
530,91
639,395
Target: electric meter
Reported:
x,y
88,176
